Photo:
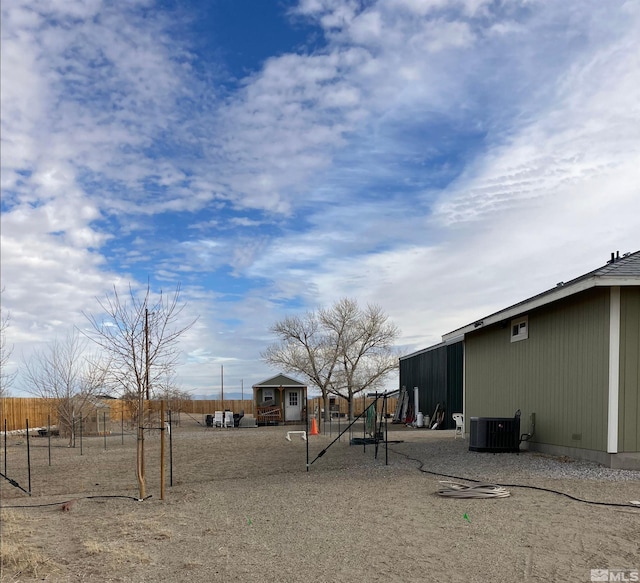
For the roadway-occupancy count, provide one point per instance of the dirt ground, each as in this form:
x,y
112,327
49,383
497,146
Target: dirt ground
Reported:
x,y
243,507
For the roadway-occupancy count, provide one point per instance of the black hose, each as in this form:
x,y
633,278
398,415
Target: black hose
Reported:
x,y
80,498
594,502
14,483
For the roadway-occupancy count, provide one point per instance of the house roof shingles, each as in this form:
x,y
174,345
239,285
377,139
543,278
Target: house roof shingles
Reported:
x,y
625,266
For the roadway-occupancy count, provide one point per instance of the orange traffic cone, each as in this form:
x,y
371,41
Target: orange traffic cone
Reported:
x,y
314,427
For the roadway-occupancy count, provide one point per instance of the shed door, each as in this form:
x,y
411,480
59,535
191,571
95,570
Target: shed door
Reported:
x,y
293,405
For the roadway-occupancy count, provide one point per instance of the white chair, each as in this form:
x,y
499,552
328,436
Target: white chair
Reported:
x,y
218,419
459,419
228,419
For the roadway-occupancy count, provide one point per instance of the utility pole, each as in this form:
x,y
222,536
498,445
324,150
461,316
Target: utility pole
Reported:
x,y
222,382
146,352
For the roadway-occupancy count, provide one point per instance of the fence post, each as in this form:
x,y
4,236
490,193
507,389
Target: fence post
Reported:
x,y
5,446
49,435
28,457
162,449
170,451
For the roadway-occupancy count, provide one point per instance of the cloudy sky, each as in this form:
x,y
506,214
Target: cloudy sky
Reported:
x,y
441,158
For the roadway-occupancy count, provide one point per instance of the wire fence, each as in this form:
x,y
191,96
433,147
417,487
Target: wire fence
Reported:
x,y
42,461
36,464
15,410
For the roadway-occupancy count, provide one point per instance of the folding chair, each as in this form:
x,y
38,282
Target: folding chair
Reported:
x,y
218,419
459,419
237,417
228,419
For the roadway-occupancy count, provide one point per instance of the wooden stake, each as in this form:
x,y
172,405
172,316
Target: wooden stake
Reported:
x,y
162,429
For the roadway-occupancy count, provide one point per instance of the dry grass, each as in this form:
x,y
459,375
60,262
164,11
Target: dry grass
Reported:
x,y
116,553
19,557
125,554
244,508
93,547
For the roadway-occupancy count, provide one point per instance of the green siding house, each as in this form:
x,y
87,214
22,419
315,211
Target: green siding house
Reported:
x,y
571,357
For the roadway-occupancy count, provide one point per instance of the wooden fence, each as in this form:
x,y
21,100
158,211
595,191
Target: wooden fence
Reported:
x,y
15,410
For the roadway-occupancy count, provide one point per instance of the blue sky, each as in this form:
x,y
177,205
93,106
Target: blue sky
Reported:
x,y
440,158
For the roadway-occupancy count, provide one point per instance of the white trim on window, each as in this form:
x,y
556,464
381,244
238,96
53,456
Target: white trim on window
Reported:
x,y
520,329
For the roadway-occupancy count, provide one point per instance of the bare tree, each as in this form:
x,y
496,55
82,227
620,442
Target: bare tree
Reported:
x,y
305,347
6,378
140,333
342,350
366,355
64,374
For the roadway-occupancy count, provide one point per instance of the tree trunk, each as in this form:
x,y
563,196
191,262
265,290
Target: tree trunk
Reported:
x,y
140,449
327,405
72,428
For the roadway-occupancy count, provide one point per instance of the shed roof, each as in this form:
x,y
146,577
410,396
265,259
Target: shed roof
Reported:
x,y
423,350
280,380
618,271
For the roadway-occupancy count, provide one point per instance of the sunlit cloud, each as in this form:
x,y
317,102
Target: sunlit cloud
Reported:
x,y
442,158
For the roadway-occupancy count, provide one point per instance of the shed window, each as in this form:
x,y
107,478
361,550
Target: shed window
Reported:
x,y
267,395
520,329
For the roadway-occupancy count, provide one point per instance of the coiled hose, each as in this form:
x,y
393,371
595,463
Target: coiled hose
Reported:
x,y
458,490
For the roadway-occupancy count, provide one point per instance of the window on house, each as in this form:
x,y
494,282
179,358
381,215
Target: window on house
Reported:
x,y
267,395
520,329
293,399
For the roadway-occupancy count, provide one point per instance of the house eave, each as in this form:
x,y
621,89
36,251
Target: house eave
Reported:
x,y
526,306
422,351
554,295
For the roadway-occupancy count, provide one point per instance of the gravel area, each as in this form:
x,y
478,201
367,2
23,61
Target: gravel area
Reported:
x,y
452,456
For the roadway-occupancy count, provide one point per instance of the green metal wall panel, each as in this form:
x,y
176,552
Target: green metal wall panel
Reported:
x,y
560,372
438,375
455,358
629,402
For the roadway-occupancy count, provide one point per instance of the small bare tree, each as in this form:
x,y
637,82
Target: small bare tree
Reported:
x,y
140,333
64,374
342,350
6,378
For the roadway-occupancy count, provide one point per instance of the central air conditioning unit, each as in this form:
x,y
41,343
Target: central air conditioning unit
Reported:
x,y
495,434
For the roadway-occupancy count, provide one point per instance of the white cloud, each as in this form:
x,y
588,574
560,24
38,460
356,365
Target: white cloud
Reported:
x,y
546,203
106,121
